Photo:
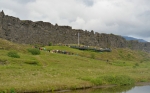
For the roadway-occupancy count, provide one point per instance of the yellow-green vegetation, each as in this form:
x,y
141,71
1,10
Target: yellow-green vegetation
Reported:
x,y
54,71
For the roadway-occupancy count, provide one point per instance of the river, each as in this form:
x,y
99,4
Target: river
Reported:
x,y
139,89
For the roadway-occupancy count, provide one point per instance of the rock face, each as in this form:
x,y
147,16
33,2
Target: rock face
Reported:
x,y
43,33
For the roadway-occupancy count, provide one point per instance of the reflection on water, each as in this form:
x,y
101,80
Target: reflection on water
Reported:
x,y
122,89
139,89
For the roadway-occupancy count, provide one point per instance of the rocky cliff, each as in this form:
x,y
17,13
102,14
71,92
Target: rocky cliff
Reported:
x,y
42,33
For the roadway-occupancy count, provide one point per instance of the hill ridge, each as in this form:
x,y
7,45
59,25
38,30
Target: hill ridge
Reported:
x,y
128,38
43,33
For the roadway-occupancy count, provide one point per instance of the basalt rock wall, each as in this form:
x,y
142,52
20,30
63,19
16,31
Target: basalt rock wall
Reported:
x,y
43,33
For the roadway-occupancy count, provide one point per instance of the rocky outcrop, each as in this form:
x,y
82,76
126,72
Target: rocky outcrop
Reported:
x,y
42,33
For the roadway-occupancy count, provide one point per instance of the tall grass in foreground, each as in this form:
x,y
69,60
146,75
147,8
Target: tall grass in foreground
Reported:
x,y
116,79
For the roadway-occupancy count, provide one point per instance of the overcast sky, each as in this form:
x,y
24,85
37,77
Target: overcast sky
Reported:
x,y
120,17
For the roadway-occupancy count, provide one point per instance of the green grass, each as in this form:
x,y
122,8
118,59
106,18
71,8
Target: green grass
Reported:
x,y
51,71
111,80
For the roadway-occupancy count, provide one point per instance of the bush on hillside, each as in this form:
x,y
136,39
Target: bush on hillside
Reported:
x,y
13,54
50,44
34,51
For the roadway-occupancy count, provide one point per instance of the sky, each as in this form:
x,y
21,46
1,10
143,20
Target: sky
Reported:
x,y
120,17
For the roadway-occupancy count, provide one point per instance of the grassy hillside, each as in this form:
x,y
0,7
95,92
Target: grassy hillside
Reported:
x,y
54,71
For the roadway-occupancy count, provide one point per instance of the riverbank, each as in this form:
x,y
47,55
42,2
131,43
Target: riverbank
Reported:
x,y
142,83
98,87
90,87
144,87
80,88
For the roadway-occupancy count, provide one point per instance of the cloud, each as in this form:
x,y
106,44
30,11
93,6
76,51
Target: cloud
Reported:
x,y
24,1
87,2
121,17
14,8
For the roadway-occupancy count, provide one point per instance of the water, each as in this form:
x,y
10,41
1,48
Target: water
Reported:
x,y
122,89
139,89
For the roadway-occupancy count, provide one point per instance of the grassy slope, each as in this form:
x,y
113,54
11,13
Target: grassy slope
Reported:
x,y
59,71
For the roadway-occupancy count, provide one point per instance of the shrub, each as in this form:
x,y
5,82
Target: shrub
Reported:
x,y
13,54
34,51
12,91
50,44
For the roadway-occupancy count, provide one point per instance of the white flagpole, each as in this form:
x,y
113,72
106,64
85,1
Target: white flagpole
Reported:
x,y
78,39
